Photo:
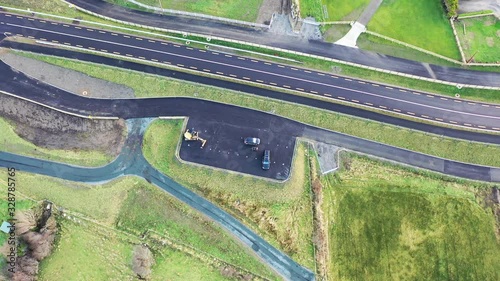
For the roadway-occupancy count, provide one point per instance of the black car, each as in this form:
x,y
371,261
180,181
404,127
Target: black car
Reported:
x,y
252,141
266,160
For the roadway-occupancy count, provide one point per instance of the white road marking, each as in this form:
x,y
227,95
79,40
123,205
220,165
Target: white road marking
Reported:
x,y
264,72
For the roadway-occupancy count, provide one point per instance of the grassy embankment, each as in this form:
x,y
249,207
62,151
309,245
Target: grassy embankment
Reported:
x,y
146,85
11,142
480,37
245,10
281,213
420,23
387,222
337,10
111,219
59,8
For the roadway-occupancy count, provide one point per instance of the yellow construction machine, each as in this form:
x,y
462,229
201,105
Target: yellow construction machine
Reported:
x,y
192,135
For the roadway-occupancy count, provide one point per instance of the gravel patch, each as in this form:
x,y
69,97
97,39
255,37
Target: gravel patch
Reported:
x,y
69,80
327,157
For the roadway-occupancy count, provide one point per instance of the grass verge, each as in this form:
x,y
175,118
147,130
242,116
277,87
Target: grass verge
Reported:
x,y
279,212
480,37
152,86
420,23
245,10
115,215
11,142
344,10
386,222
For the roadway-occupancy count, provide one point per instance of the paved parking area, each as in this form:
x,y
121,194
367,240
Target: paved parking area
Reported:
x,y
225,148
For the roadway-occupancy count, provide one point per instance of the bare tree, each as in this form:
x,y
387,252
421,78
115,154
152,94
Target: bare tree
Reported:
x,y
142,261
40,244
26,221
26,270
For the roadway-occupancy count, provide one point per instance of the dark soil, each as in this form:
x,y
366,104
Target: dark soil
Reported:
x,y
55,130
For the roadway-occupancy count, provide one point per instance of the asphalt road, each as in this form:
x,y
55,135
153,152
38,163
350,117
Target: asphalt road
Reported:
x,y
407,102
225,148
210,28
20,85
131,162
454,133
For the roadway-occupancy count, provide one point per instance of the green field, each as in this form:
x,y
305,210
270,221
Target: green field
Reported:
x,y
11,142
387,223
245,10
344,10
420,23
145,85
480,37
115,215
278,212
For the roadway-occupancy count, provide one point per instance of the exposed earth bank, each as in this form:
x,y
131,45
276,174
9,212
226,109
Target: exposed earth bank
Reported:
x,y
55,130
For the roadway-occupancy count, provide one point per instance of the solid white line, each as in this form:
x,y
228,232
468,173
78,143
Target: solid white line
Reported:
x,y
265,72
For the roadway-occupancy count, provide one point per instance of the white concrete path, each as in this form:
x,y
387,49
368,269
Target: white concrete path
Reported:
x,y
351,37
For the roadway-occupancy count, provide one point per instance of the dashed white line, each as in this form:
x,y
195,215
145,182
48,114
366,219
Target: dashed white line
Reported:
x,y
404,91
300,89
286,86
267,63
193,67
154,59
232,75
347,79
293,68
361,82
355,100
467,124
430,96
342,98
321,74
181,65
439,119
453,122
240,58
254,61
246,78
314,92
260,81
137,38
206,70
220,73
388,88
397,110
485,105
375,85
328,95
151,41
367,103
280,66
142,58
272,83
65,25
114,34
425,116
444,98
229,56
411,113
381,106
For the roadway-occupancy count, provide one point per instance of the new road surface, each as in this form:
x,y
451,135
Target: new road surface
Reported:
x,y
22,86
264,37
450,111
